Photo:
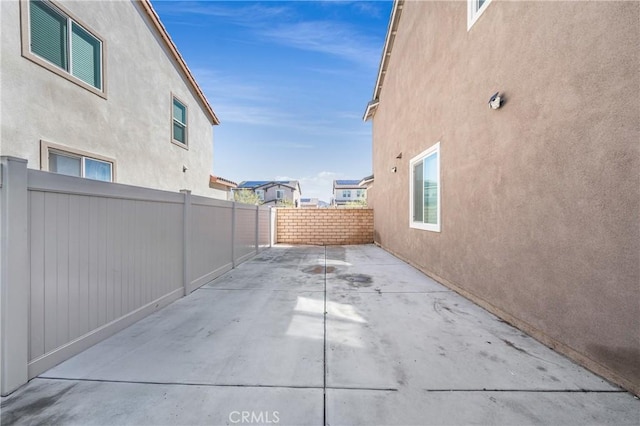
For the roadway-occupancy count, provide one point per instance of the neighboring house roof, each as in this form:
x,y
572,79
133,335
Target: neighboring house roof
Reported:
x,y
366,181
155,19
396,11
257,184
346,184
221,181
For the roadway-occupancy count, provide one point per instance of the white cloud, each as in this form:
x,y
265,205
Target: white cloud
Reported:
x,y
246,15
328,37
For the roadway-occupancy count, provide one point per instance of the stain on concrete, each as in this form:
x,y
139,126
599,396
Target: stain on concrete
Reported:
x,y
510,344
337,253
493,358
541,368
319,269
401,377
357,280
437,307
19,410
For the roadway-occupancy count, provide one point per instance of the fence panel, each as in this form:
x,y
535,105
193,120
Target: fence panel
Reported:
x,y
95,258
245,232
84,259
210,253
264,228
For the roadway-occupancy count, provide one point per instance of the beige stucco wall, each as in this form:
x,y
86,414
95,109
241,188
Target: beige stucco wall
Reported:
x,y
540,199
132,126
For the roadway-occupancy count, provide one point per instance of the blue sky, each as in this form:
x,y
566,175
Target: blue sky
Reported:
x,y
289,81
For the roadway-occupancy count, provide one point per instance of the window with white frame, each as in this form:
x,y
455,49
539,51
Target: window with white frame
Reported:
x,y
179,131
425,190
475,8
279,194
63,45
260,194
75,164
346,194
359,193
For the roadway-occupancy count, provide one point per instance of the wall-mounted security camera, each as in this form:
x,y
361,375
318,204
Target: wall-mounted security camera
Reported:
x,y
495,101
394,169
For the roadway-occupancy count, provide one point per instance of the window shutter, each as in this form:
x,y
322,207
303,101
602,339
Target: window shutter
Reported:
x,y
48,34
85,54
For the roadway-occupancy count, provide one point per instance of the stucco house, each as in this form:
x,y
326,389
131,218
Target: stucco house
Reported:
x,y
274,192
80,98
348,191
222,188
528,205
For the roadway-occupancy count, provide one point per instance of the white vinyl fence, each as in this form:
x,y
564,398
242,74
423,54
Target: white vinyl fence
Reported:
x,y
82,259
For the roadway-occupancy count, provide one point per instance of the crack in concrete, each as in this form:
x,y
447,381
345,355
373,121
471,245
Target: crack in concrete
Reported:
x,y
324,344
216,385
529,390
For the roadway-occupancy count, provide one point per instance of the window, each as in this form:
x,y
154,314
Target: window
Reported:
x,y
62,160
346,194
279,194
425,190
475,8
359,193
61,44
179,132
260,194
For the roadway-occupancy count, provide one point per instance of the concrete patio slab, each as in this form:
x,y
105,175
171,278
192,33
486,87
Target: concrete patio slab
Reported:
x,y
346,407
213,337
372,278
66,402
257,341
439,341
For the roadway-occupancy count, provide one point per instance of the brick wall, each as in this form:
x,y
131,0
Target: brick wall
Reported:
x,y
324,226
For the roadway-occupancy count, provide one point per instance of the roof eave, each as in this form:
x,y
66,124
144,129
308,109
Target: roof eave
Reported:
x,y
155,19
396,11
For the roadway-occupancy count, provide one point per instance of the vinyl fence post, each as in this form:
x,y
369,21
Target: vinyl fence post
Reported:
x,y
14,274
257,229
272,226
233,235
186,241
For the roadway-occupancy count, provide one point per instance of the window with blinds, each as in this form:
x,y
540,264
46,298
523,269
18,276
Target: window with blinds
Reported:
x,y
63,42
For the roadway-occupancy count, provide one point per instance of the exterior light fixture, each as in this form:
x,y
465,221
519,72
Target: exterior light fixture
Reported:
x,y
394,169
495,101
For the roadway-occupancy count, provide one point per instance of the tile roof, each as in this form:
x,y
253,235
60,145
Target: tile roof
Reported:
x,y
182,65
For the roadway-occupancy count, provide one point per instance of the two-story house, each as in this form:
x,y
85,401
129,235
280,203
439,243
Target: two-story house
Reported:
x,y
506,156
348,191
281,192
99,90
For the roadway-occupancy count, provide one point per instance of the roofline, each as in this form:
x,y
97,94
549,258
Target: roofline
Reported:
x,y
155,19
366,180
274,183
386,55
222,181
